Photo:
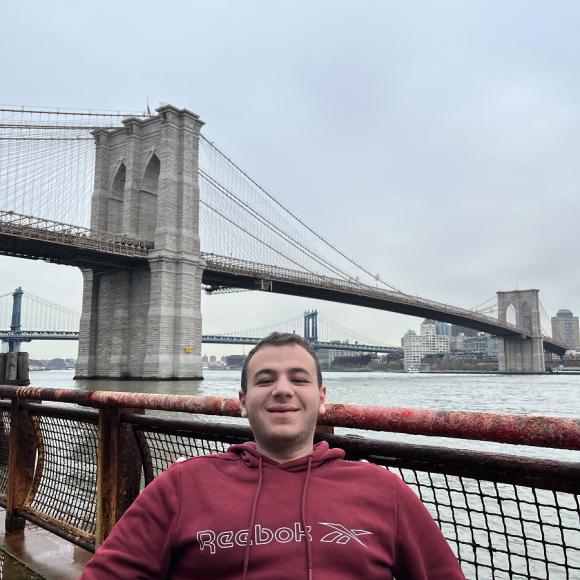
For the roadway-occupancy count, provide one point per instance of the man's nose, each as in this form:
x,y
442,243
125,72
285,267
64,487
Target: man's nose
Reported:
x,y
283,388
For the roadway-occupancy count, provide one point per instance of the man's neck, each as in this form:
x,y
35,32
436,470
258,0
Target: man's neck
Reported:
x,y
285,454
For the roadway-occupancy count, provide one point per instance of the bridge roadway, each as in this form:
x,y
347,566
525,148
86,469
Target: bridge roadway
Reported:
x,y
36,238
28,335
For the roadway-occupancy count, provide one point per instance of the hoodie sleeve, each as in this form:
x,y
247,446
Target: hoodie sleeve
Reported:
x,y
140,544
421,551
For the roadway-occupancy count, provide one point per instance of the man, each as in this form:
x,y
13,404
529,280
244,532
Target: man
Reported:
x,y
279,508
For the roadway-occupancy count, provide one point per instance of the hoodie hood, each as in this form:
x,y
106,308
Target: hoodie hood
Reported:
x,y
250,457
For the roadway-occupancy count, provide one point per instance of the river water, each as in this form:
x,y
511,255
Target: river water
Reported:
x,y
555,395
533,394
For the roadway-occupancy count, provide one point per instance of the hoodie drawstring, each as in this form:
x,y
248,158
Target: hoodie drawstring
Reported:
x,y
303,518
254,459
253,520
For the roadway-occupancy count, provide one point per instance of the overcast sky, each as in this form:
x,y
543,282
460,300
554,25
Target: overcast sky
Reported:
x,y
436,143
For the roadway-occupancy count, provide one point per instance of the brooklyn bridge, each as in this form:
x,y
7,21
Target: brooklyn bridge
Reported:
x,y
154,213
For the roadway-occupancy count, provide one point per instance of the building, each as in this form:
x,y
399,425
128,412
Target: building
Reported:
x,y
233,361
416,346
327,356
442,328
462,331
483,344
565,327
335,357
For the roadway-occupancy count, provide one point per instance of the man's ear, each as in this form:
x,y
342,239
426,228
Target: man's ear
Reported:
x,y
322,407
243,410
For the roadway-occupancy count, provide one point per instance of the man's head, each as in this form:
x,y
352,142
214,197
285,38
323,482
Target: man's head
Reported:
x,y
282,394
281,339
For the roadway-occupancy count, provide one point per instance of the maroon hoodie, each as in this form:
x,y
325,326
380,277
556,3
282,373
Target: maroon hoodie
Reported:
x,y
241,515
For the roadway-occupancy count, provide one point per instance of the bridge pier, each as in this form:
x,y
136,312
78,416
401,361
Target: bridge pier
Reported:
x,y
521,355
145,322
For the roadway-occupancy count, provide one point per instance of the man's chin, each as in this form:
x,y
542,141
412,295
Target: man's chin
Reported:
x,y
281,438
284,436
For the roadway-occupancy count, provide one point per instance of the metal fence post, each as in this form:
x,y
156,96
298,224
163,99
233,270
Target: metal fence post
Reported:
x,y
131,465
118,471
22,455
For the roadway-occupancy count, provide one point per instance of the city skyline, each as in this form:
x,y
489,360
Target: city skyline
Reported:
x,y
424,150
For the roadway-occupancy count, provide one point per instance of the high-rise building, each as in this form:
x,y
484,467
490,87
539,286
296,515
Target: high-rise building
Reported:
x,y
565,327
442,328
416,347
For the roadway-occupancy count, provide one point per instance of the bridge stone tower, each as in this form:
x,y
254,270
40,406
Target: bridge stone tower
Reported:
x,y
311,326
145,322
515,354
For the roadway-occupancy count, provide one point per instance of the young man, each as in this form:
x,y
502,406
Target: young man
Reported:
x,y
279,508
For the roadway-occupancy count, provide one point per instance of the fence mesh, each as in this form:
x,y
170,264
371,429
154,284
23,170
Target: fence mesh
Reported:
x,y
503,531
4,442
496,530
159,450
64,485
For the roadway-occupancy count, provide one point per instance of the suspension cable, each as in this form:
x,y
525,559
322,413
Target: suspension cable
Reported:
x,y
286,210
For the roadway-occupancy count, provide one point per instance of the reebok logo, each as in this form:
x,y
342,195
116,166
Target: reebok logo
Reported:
x,y
342,535
212,541
262,535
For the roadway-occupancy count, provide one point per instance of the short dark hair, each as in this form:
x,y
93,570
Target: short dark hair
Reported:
x,y
281,339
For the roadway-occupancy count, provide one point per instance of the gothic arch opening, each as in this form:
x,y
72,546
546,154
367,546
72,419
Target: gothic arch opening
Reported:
x,y
148,200
116,200
510,314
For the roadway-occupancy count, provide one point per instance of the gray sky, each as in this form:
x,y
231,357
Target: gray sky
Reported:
x,y
436,143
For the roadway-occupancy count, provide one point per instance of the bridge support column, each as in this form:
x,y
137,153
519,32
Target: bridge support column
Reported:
x,y
523,355
174,318
145,322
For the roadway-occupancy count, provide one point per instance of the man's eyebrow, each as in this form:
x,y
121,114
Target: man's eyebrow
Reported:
x,y
264,372
299,370
292,370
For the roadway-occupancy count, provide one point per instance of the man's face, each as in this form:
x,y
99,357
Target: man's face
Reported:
x,y
283,400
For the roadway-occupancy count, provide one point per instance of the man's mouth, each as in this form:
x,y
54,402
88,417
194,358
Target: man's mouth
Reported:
x,y
282,410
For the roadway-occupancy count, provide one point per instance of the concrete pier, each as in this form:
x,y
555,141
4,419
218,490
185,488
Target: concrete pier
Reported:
x,y
14,368
145,323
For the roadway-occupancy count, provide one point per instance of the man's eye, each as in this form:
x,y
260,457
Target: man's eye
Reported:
x,y
264,381
300,380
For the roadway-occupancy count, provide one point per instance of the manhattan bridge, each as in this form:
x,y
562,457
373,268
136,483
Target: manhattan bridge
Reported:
x,y
25,317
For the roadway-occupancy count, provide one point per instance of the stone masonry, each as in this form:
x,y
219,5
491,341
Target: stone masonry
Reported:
x,y
521,354
145,323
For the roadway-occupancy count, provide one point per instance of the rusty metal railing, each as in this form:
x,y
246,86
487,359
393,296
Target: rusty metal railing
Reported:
x,y
74,470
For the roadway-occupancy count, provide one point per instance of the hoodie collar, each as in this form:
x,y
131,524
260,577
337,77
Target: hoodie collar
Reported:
x,y
250,456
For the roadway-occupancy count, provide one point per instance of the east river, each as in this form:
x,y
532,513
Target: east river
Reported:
x,y
555,395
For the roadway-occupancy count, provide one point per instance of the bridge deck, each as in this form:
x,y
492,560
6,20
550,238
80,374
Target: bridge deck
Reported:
x,y
29,237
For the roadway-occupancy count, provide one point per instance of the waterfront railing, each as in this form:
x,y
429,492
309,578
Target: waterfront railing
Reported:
x,y
72,461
